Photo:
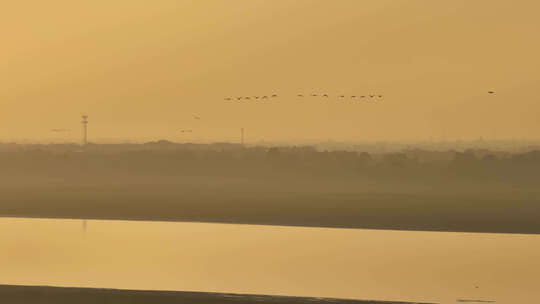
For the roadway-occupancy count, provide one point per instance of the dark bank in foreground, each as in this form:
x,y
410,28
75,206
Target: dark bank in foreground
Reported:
x,y
58,295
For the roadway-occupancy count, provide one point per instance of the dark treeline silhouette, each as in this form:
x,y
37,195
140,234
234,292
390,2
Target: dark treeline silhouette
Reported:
x,y
474,190
164,159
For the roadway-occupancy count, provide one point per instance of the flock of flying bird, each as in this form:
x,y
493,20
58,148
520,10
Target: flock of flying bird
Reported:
x,y
182,130
343,96
266,97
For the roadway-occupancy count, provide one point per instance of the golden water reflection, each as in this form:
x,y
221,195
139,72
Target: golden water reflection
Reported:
x,y
346,263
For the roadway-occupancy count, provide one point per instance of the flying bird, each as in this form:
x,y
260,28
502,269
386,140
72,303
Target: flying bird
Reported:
x,y
371,96
353,96
325,95
274,95
363,96
256,97
314,95
238,98
341,96
380,96
491,92
300,95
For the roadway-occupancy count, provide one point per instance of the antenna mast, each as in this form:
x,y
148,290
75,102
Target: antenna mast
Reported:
x,y
85,129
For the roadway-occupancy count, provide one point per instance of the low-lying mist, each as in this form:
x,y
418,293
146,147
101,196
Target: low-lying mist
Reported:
x,y
471,190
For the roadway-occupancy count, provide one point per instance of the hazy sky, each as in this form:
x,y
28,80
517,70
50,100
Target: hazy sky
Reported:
x,y
143,69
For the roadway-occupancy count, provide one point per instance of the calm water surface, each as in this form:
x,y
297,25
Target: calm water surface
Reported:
x,y
346,263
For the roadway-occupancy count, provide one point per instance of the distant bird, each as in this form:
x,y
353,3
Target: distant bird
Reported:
x,y
353,96
274,95
325,95
491,92
371,96
256,97
380,96
363,96
247,97
341,96
227,98
314,95
238,98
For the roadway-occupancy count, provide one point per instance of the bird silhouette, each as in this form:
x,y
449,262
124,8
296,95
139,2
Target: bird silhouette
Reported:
x,y
491,92
353,96
238,98
380,96
256,97
325,95
300,95
341,96
363,96
314,95
274,95
371,96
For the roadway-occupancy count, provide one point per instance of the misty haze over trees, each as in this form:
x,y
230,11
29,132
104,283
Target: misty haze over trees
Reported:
x,y
164,160
476,190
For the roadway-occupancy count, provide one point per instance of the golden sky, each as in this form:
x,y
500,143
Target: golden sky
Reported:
x,y
142,69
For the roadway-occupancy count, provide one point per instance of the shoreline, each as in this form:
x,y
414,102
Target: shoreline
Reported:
x,y
444,212
49,294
